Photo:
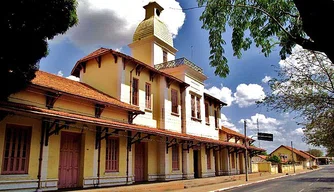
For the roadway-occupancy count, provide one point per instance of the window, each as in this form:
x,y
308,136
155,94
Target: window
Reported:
x,y
175,157
148,96
175,102
196,107
164,56
216,119
193,106
16,151
198,104
208,158
233,160
207,120
135,91
112,154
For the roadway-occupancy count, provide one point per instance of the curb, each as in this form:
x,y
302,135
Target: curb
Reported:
x,y
260,181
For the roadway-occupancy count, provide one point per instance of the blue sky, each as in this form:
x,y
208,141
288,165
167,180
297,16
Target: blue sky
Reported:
x,y
192,43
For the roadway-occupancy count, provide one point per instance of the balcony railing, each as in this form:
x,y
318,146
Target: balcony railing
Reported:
x,y
178,62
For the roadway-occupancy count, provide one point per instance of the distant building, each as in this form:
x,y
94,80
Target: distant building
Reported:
x,y
288,155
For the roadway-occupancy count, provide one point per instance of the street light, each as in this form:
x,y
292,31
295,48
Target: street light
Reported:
x,y
246,154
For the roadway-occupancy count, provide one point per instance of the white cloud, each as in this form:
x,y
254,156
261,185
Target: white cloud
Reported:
x,y
112,23
226,123
60,73
298,131
266,79
222,93
247,95
265,123
74,78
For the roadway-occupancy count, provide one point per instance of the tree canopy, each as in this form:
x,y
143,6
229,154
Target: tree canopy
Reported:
x,y
274,159
305,85
26,26
315,152
267,24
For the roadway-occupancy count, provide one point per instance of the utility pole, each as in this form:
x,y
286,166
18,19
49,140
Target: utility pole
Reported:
x,y
293,161
258,130
246,150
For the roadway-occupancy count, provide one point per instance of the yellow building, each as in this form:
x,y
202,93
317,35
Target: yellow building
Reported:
x,y
128,119
289,155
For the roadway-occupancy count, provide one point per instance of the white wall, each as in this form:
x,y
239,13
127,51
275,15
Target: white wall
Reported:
x,y
196,127
158,54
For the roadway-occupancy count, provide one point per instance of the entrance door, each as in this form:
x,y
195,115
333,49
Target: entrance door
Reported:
x,y
139,161
69,160
196,170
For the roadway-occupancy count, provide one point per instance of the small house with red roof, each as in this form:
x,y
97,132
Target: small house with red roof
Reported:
x,y
288,154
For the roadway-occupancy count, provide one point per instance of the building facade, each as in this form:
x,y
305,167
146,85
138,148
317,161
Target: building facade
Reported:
x,y
129,119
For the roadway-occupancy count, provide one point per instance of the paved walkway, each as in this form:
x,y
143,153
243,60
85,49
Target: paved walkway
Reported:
x,y
198,185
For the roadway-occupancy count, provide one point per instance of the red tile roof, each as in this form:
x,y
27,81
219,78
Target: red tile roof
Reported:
x,y
263,157
306,153
102,51
234,133
253,148
298,152
42,112
66,86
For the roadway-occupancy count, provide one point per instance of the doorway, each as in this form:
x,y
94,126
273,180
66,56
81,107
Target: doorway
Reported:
x,y
140,162
196,168
68,172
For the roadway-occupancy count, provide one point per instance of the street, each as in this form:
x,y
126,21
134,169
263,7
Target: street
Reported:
x,y
316,181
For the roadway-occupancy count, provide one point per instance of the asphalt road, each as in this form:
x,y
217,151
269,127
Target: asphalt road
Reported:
x,y
316,181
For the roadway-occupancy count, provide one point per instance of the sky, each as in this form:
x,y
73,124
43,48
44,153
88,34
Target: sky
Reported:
x,y
111,24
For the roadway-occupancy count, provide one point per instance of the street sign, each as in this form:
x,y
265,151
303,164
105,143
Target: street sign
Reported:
x,y
265,136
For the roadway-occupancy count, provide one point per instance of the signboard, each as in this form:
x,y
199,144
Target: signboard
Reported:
x,y
265,136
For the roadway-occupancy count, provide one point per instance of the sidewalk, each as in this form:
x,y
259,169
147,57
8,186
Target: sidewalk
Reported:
x,y
198,185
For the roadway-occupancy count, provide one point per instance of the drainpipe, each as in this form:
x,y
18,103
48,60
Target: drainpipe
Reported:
x,y
41,157
98,129
98,163
127,155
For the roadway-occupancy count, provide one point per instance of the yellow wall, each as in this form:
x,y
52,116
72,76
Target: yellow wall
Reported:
x,y
107,78
289,168
143,51
29,96
285,151
73,105
152,156
34,144
264,167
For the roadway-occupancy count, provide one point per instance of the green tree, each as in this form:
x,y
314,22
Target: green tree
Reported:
x,y
305,86
274,159
268,24
25,28
263,153
315,152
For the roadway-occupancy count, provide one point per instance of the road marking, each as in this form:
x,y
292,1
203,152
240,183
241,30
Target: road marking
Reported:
x,y
310,184
301,190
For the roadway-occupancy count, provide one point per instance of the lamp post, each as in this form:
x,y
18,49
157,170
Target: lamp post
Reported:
x,y
246,150
293,160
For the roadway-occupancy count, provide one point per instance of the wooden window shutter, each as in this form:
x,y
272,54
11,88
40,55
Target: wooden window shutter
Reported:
x,y
16,150
112,154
